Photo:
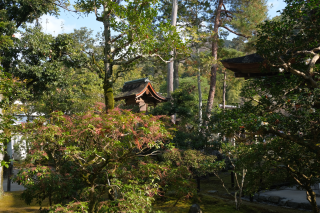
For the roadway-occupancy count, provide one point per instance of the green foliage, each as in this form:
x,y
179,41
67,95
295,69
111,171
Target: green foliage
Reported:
x,y
275,129
15,13
10,90
185,105
234,85
186,166
184,100
139,37
43,60
100,159
281,42
246,20
38,58
78,92
7,29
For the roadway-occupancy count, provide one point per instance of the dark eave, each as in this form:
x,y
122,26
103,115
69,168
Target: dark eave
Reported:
x,y
248,66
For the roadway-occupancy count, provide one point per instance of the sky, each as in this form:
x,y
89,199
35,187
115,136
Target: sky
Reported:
x,y
68,21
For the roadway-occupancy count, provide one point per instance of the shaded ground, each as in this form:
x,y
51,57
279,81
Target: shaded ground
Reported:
x,y
217,202
11,203
220,202
214,204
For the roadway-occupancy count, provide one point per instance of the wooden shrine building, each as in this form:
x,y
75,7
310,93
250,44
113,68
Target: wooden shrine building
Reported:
x,y
141,93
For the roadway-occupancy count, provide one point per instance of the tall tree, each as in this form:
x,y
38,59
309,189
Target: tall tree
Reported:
x,y
138,35
13,14
214,67
171,63
24,11
39,58
241,19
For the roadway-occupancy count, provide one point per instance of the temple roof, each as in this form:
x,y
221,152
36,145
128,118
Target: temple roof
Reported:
x,y
252,58
248,66
137,88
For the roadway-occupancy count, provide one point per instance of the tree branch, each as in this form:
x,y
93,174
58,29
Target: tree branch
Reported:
x,y
128,61
115,51
161,58
116,38
95,8
312,64
226,12
288,68
292,138
239,34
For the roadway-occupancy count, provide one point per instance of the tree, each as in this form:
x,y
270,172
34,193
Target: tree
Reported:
x,y
13,14
188,164
80,91
17,13
118,174
171,63
138,36
283,109
296,57
7,29
42,61
237,18
10,89
39,58
228,87
185,106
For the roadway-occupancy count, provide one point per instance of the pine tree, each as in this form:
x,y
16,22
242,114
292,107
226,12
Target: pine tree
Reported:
x,y
241,19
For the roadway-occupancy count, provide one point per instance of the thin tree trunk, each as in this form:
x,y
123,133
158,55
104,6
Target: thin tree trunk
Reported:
x,y
214,67
170,78
170,64
199,92
176,75
107,83
1,159
224,90
311,196
1,173
92,201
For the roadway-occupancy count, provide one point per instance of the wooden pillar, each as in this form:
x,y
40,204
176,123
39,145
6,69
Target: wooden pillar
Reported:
x,y
142,105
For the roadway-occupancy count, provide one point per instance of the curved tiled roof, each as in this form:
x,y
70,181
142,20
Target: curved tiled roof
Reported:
x,y
248,59
137,88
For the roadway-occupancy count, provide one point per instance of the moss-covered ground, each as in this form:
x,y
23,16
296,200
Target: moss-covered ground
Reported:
x,y
12,203
215,203
219,202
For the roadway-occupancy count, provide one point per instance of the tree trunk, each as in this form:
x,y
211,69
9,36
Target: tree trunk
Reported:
x,y
311,196
224,90
170,78
1,159
108,94
92,201
170,64
199,92
107,83
214,67
176,75
1,173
